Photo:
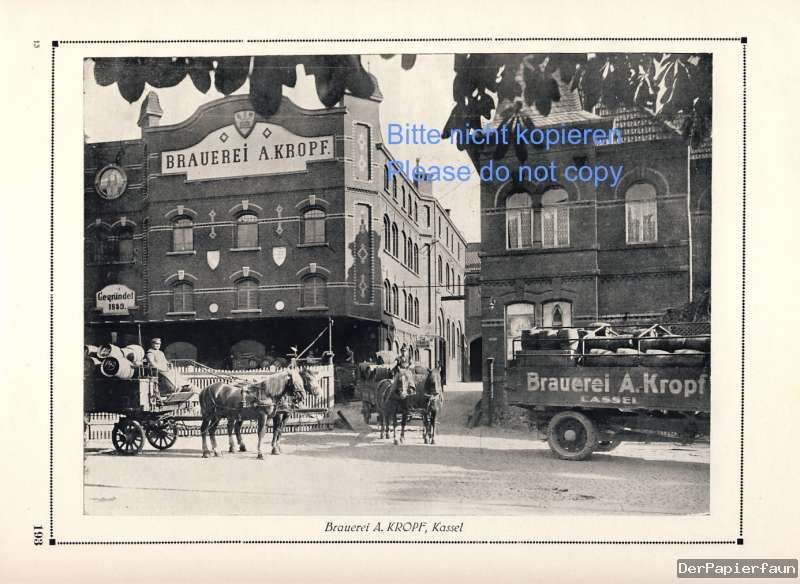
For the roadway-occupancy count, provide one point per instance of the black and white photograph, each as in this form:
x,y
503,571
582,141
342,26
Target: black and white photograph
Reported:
x,y
446,280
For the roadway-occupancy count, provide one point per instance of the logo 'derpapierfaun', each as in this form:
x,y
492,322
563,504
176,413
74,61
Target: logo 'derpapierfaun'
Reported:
x,y
245,121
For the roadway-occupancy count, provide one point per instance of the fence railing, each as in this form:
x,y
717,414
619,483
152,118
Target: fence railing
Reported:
x,y
313,414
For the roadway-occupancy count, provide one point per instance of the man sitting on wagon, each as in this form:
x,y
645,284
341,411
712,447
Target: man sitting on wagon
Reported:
x,y
403,361
169,380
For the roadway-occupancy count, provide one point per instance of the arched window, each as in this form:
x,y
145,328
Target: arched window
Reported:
x,y
416,212
101,244
182,234
395,301
557,314
447,275
182,297
558,318
124,245
555,218
247,230
449,338
439,270
416,258
403,192
394,240
314,291
394,187
641,211
314,226
458,288
387,237
387,296
405,305
247,294
520,316
405,247
518,221
416,310
386,177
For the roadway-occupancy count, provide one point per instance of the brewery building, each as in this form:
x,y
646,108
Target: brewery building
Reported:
x,y
233,236
572,253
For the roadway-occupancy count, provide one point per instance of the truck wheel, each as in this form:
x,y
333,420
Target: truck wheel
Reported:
x,y
572,436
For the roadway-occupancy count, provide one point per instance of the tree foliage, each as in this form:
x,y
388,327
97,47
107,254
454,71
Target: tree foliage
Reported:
x,y
503,87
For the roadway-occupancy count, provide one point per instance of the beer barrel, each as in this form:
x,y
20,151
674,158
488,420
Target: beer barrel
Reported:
x,y
109,350
134,354
118,367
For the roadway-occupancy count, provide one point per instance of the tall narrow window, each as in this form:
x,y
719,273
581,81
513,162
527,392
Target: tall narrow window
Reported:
x,y
447,275
641,211
395,301
518,221
555,218
101,244
182,297
416,258
405,248
124,245
247,230
246,294
386,177
314,291
439,271
182,234
387,238
394,240
387,296
314,226
405,305
394,188
520,316
416,310
458,287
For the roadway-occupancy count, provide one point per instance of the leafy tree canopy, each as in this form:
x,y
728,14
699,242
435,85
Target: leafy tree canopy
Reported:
x,y
671,86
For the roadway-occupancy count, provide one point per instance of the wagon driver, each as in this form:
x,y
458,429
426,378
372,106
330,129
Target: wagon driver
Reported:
x,y
169,379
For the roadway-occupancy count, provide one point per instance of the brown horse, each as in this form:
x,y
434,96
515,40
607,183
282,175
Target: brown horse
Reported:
x,y
393,399
272,398
429,398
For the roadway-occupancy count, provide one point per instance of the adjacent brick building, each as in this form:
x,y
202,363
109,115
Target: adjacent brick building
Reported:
x,y
570,254
229,233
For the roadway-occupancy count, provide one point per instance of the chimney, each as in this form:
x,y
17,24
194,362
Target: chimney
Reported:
x,y
151,111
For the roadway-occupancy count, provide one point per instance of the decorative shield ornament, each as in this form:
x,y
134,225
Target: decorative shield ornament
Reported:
x,y
212,257
279,255
244,121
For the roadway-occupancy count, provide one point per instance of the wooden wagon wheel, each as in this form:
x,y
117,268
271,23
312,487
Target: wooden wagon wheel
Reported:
x,y
163,433
128,437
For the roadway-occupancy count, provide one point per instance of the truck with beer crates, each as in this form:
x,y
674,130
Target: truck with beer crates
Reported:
x,y
589,389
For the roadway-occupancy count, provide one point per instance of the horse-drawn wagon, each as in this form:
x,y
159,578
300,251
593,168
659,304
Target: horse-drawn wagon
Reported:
x,y
144,414
590,389
120,388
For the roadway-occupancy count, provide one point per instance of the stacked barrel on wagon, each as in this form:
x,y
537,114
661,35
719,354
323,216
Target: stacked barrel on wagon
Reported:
x,y
117,381
589,389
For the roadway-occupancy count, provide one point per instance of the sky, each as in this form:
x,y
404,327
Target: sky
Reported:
x,y
422,95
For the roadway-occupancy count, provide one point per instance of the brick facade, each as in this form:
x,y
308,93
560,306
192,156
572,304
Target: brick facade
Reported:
x,y
262,260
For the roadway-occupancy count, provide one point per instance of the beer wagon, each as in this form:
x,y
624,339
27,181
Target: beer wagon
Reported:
x,y
590,389
144,415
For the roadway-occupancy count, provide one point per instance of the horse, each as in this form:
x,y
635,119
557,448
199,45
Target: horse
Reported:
x,y
429,398
369,377
271,398
393,398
